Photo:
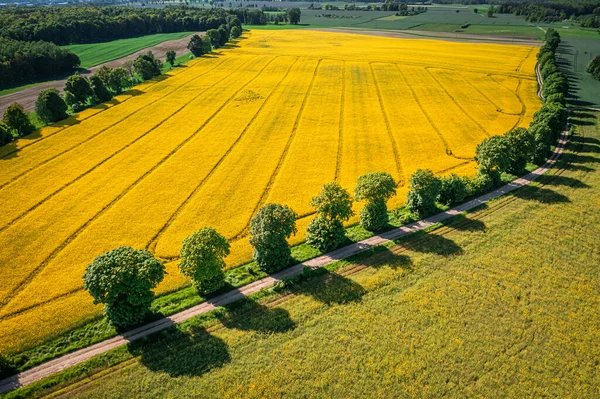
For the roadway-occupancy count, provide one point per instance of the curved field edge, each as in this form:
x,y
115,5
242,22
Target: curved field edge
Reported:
x,y
446,288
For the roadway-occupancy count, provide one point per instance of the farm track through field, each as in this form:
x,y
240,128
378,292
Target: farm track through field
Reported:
x,y
516,93
100,163
118,122
410,242
498,108
338,164
393,143
265,194
71,237
457,103
151,246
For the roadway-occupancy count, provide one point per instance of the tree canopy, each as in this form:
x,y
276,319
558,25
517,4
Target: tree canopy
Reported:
x,y
269,230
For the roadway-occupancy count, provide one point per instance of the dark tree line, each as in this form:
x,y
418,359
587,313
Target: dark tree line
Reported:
x,y
21,61
86,24
587,12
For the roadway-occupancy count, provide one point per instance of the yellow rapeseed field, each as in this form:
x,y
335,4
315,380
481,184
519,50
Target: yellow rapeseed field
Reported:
x,y
271,120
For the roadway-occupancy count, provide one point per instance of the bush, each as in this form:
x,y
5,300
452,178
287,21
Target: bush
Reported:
x,y
50,107
235,32
270,228
196,45
325,235
100,91
334,206
454,189
122,280
17,120
493,156
374,216
171,56
423,192
376,188
202,259
79,86
5,135
104,74
521,147
147,66
214,37
480,183
119,79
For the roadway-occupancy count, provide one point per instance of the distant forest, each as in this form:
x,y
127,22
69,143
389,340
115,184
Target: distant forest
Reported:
x,y
30,36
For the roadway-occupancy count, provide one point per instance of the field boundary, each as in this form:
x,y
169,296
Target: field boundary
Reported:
x,y
54,366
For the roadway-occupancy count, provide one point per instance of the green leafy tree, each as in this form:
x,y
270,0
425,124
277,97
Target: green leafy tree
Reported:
x,y
223,35
542,139
122,280
17,120
171,55
202,259
490,12
196,45
376,188
423,193
207,46
147,66
334,206
214,37
100,91
50,107
270,228
5,135
521,146
493,156
104,73
79,86
454,189
594,67
235,32
119,79
293,15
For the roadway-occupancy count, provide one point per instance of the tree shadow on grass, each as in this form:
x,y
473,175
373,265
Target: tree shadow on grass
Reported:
x,y
566,181
464,223
436,244
180,353
246,314
541,195
331,288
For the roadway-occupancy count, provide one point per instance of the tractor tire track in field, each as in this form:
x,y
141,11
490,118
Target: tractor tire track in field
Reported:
x,y
400,182
265,194
518,70
155,81
74,235
498,108
151,246
457,103
338,162
516,94
403,233
429,119
87,172
141,109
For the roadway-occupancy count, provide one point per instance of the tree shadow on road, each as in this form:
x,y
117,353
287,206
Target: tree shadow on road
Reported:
x,y
178,353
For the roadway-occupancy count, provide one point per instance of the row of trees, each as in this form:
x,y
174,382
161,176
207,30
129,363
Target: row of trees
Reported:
x,y
86,24
585,11
21,61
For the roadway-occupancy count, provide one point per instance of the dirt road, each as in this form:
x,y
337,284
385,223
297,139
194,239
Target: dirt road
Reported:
x,y
27,97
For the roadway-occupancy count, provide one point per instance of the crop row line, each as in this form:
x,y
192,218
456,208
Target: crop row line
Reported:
x,y
338,161
389,130
457,103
